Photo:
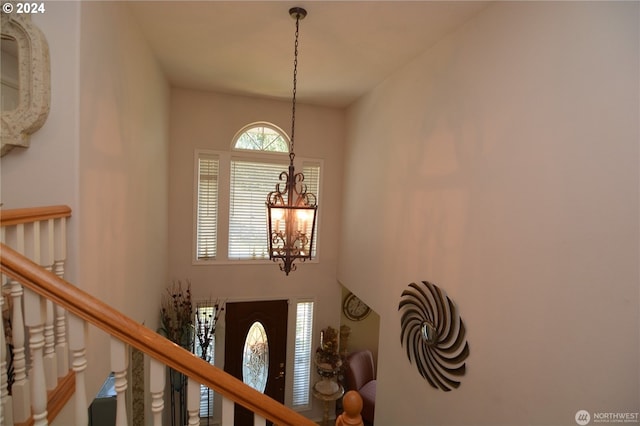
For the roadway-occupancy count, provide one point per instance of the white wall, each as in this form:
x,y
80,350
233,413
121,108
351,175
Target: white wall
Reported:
x,y
502,165
47,172
123,179
202,120
103,151
54,148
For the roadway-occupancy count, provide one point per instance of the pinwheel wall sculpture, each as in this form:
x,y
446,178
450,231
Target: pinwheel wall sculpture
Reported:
x,y
433,335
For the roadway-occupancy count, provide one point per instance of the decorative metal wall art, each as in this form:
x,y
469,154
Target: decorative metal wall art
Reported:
x,y
433,334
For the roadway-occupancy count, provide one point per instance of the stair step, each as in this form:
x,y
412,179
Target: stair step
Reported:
x,y
57,398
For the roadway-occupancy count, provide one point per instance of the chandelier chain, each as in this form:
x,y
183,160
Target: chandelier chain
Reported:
x,y
291,209
295,81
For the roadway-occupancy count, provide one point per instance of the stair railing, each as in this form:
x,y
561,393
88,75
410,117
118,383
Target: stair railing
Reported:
x,y
40,385
44,285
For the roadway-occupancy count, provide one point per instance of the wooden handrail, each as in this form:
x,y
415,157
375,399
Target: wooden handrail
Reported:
x,y
33,214
113,322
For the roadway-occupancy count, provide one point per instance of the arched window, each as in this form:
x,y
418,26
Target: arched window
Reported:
x,y
261,137
258,155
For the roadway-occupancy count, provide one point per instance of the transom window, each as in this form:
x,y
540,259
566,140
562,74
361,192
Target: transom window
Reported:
x,y
231,191
262,138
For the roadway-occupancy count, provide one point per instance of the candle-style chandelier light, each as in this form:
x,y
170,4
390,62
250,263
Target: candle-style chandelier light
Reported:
x,y
291,211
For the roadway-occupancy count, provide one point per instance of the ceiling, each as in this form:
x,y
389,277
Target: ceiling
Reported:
x,y
246,47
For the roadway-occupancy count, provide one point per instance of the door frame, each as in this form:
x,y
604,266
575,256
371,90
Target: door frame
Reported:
x,y
291,340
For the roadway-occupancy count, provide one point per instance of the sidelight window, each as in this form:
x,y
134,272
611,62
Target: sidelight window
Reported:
x,y
204,348
302,355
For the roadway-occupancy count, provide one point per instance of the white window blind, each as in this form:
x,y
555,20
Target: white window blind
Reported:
x,y
250,183
311,171
248,174
207,210
302,354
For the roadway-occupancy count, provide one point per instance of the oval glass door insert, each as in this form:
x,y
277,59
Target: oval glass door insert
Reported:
x,y
255,357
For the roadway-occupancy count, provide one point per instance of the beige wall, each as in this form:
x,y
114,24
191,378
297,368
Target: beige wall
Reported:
x,y
103,151
47,172
53,151
123,163
505,162
202,120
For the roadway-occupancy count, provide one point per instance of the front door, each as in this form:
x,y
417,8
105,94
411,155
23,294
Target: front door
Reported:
x,y
255,349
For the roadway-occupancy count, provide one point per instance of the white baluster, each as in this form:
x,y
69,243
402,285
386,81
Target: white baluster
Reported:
x,y
193,402
34,309
259,420
227,411
77,337
50,362
62,348
60,255
119,366
20,388
32,239
34,313
157,378
6,409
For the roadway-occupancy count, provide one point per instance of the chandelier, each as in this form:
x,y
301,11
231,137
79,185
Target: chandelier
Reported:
x,y
291,210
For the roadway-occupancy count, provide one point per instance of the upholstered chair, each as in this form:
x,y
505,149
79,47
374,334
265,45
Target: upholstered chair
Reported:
x,y
360,376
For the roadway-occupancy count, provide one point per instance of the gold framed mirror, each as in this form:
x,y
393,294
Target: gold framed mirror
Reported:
x,y
26,82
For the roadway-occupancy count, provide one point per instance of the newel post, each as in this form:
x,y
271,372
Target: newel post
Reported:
x,y
352,403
